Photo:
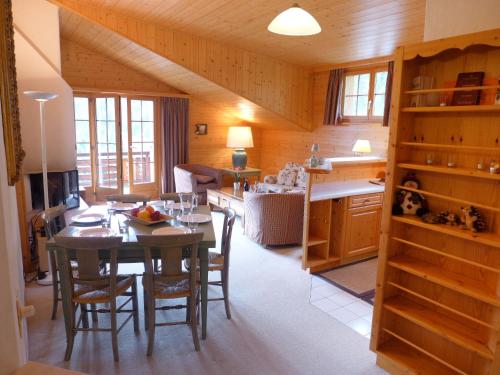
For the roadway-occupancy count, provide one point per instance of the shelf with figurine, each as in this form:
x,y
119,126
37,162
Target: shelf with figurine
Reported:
x,y
411,207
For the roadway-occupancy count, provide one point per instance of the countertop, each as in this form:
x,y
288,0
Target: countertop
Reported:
x,y
341,189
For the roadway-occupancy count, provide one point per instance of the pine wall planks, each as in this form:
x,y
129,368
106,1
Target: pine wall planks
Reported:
x,y
82,67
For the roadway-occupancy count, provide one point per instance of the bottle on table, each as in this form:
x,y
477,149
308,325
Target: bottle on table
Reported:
x,y
246,186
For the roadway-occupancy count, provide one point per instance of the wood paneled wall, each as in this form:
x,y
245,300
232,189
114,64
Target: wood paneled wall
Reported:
x,y
281,146
280,88
82,67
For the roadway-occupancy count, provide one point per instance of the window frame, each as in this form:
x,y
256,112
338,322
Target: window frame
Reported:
x,y
370,118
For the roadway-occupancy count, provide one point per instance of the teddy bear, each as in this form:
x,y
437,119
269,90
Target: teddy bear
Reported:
x,y
408,202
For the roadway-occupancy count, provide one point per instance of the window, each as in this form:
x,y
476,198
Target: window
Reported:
x,y
117,144
364,95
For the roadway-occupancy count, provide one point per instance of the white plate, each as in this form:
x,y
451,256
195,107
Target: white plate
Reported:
x,y
95,232
119,206
196,218
87,218
170,230
176,206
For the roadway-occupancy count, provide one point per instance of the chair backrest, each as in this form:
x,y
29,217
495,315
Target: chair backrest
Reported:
x,y
170,197
86,250
227,232
53,220
171,248
128,198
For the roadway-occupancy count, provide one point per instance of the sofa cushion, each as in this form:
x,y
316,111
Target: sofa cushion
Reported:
x,y
201,188
203,179
301,178
287,177
292,166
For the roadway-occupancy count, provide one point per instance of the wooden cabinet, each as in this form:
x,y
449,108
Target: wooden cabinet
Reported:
x,y
340,230
356,226
362,231
437,303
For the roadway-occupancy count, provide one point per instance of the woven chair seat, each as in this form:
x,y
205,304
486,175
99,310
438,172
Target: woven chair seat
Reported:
x,y
215,262
92,294
173,289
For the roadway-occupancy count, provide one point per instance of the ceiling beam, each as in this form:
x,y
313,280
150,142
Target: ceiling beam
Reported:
x,y
276,86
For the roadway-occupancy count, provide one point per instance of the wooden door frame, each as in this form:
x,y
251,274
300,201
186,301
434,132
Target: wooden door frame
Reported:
x,y
157,145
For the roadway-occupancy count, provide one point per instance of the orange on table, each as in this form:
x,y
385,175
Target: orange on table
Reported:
x,y
149,209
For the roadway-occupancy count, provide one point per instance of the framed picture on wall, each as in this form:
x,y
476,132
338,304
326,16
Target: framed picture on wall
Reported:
x,y
14,152
201,129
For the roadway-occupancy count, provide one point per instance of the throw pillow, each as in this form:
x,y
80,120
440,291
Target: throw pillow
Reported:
x,y
301,178
292,166
202,179
287,177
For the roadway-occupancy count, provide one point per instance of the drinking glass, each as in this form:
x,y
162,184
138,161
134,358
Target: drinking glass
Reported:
x,y
192,223
185,200
194,202
169,208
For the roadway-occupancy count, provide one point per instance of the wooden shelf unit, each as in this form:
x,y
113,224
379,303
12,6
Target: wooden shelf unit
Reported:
x,y
437,304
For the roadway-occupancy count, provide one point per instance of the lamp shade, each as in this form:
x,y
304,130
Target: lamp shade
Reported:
x,y
240,137
294,21
41,96
362,146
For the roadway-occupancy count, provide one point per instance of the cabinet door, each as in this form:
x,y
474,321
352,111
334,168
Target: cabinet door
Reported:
x,y
362,230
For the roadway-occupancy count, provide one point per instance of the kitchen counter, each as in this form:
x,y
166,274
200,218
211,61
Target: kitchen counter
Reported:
x,y
341,189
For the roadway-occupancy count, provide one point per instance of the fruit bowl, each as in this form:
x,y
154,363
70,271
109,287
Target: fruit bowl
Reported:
x,y
147,221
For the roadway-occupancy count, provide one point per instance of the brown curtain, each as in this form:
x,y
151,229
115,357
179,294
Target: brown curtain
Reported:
x,y
333,104
388,93
175,127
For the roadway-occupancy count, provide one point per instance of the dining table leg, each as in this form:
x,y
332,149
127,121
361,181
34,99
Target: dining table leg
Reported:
x,y
65,286
204,291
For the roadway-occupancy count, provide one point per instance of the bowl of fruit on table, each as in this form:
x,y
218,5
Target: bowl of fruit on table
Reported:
x,y
147,215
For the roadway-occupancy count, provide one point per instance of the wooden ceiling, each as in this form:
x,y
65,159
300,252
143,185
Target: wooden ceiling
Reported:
x,y
108,43
352,29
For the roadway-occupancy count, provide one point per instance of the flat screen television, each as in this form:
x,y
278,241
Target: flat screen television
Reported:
x,y
63,189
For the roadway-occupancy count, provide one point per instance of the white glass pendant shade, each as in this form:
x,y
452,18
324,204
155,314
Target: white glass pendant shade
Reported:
x,y
294,21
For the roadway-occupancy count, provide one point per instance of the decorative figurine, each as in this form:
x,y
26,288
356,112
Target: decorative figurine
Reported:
x,y
472,219
408,202
314,160
494,167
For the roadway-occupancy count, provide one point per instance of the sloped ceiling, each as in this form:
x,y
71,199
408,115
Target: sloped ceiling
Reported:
x,y
352,29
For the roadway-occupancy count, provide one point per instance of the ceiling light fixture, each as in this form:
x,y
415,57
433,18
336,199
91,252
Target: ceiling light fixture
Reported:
x,y
294,21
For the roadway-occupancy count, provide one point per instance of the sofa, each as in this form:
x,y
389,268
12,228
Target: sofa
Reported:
x,y
291,178
274,219
197,178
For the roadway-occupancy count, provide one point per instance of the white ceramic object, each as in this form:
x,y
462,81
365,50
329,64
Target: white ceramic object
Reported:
x,y
88,218
196,218
119,206
95,232
170,230
176,206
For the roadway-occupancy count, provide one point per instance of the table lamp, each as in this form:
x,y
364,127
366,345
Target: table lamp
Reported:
x,y
362,146
239,138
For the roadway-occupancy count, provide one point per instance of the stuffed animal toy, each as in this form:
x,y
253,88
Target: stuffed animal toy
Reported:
x,y
472,219
444,217
408,202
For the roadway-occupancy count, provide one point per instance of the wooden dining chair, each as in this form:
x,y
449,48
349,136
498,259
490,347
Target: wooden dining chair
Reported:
x,y
129,198
92,287
220,261
172,282
53,222
170,197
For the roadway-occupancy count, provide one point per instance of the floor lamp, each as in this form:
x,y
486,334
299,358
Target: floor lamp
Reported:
x,y
42,98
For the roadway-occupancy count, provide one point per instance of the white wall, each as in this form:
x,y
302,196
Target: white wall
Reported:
x,y
28,11
445,18
37,48
13,348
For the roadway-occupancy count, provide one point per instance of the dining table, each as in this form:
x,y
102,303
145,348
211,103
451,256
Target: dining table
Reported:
x,y
131,252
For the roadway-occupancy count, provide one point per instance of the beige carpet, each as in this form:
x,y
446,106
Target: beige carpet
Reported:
x,y
358,279
274,330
